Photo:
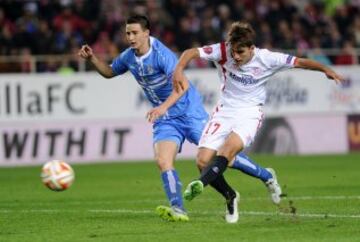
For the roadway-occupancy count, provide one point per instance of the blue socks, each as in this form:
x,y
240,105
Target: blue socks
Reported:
x,y
172,187
172,184
243,163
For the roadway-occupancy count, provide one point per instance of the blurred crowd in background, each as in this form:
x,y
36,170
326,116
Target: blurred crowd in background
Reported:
x,y
59,27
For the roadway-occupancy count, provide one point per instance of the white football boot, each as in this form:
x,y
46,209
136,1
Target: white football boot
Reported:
x,y
232,213
273,187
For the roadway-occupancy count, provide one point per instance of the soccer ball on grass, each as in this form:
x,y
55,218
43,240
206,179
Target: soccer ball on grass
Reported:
x,y
57,175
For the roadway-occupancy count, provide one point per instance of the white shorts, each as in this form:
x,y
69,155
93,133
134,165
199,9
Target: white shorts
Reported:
x,y
244,121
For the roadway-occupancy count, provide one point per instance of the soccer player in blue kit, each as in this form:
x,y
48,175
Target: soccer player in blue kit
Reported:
x,y
152,65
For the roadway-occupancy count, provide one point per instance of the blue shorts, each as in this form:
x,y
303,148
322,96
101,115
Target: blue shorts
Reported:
x,y
178,129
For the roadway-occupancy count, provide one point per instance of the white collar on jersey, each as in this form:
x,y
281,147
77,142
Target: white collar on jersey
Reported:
x,y
141,58
256,52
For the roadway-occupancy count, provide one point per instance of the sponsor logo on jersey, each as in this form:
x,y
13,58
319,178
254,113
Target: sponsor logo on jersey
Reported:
x,y
244,79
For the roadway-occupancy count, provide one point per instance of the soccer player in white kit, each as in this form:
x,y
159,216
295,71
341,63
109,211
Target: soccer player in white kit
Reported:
x,y
243,71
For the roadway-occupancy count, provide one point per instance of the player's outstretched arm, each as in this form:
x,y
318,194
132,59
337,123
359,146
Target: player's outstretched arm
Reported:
x,y
179,80
103,68
180,85
159,111
305,63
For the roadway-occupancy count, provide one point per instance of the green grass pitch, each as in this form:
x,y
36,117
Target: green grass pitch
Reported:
x,y
117,201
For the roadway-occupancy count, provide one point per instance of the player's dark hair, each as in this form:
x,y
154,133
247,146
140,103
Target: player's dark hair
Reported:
x,y
139,19
241,34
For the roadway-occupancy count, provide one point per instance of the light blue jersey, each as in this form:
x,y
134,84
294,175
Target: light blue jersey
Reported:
x,y
153,71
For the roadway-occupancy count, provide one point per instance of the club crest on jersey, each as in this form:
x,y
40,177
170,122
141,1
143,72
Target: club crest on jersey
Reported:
x,y
208,49
149,70
256,71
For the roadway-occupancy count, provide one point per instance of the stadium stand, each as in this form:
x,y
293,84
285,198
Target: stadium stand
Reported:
x,y
44,35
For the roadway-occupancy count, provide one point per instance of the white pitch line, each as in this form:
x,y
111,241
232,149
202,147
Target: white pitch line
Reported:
x,y
129,211
322,198
306,215
342,197
254,213
121,211
34,211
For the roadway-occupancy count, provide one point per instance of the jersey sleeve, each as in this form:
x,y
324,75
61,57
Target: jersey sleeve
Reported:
x,y
212,52
118,65
279,60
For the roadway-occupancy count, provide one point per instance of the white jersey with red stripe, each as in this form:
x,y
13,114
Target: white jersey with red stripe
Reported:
x,y
244,86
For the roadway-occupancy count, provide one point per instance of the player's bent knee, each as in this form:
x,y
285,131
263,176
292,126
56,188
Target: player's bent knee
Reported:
x,y
201,162
204,157
164,164
230,151
201,165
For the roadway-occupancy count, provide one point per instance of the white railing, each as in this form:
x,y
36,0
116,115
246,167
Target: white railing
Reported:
x,y
30,63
